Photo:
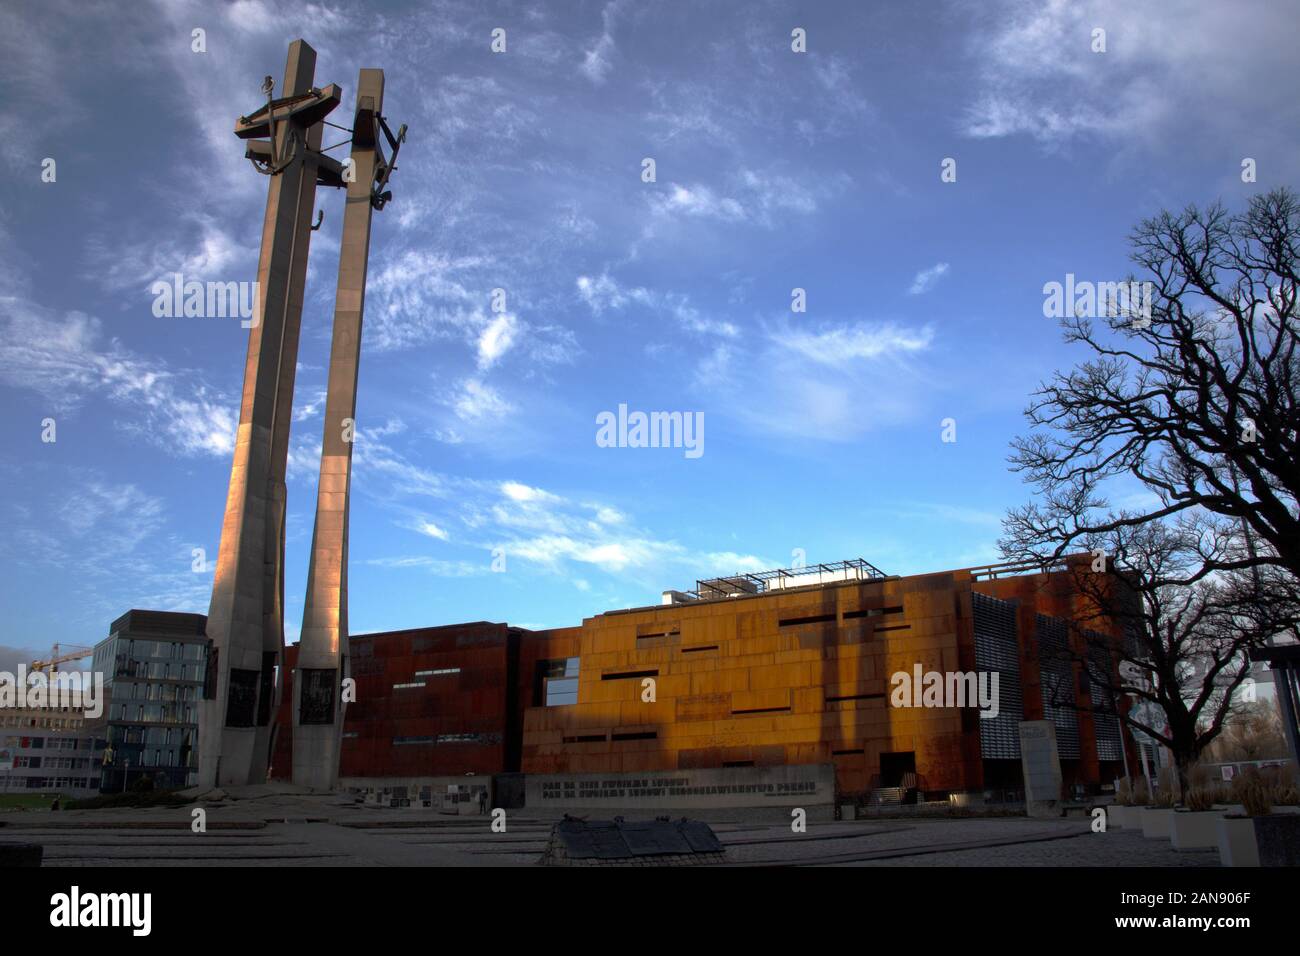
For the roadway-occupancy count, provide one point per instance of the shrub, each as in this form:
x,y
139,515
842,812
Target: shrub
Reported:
x,y
1285,795
1249,776
1250,791
1165,788
1199,799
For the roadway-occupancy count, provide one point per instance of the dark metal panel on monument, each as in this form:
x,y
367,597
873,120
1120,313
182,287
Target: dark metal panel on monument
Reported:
x,y
653,837
575,841
583,840
700,836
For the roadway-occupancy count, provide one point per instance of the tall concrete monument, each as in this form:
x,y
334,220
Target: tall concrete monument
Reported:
x,y
246,618
318,704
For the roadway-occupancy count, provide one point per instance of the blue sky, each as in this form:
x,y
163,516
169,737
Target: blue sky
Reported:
x,y
522,171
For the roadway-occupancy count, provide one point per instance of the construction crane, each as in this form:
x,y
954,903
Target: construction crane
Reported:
x,y
77,652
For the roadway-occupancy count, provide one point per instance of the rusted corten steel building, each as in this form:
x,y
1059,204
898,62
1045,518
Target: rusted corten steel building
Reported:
x,y
435,701
757,671
802,674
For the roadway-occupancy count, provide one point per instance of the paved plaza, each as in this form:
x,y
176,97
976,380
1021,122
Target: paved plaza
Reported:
x,y
275,828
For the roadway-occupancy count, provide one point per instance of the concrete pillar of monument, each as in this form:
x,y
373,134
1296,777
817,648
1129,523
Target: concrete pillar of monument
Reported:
x,y
246,617
318,705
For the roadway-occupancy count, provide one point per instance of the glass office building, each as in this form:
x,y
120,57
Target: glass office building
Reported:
x,y
153,664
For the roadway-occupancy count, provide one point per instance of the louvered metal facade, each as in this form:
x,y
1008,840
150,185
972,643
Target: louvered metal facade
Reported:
x,y
996,650
1055,677
1099,684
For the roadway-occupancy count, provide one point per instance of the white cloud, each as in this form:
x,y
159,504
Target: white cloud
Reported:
x,y
771,193
833,382
496,339
696,200
96,502
926,278
420,296
441,568
372,459
109,545
427,527
607,515
477,402
760,198
65,361
129,259
517,491
310,407
596,63
1038,75
840,346
605,293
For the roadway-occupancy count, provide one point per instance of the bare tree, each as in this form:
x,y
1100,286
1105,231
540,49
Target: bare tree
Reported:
x,y
1254,734
1197,399
1185,650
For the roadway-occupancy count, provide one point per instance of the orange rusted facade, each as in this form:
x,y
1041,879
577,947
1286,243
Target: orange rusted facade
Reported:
x,y
788,676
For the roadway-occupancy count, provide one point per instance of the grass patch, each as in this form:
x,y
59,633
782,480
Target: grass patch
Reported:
x,y
147,798
25,801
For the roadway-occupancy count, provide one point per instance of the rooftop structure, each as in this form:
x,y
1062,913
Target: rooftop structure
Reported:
x,y
742,584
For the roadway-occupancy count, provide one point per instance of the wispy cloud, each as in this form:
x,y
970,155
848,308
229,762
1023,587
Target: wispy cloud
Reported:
x,y
604,293
541,531
925,279
66,361
478,403
496,339
843,345
1038,74
819,382
598,61
120,541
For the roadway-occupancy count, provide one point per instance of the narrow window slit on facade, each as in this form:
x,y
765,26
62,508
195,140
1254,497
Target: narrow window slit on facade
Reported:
x,y
811,619
673,632
630,675
872,612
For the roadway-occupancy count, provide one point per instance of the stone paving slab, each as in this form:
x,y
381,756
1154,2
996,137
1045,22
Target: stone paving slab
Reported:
x,y
272,828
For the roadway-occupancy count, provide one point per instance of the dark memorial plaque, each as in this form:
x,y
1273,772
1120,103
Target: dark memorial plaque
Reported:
x,y
210,673
266,688
653,838
241,701
576,839
316,699
700,836
596,840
